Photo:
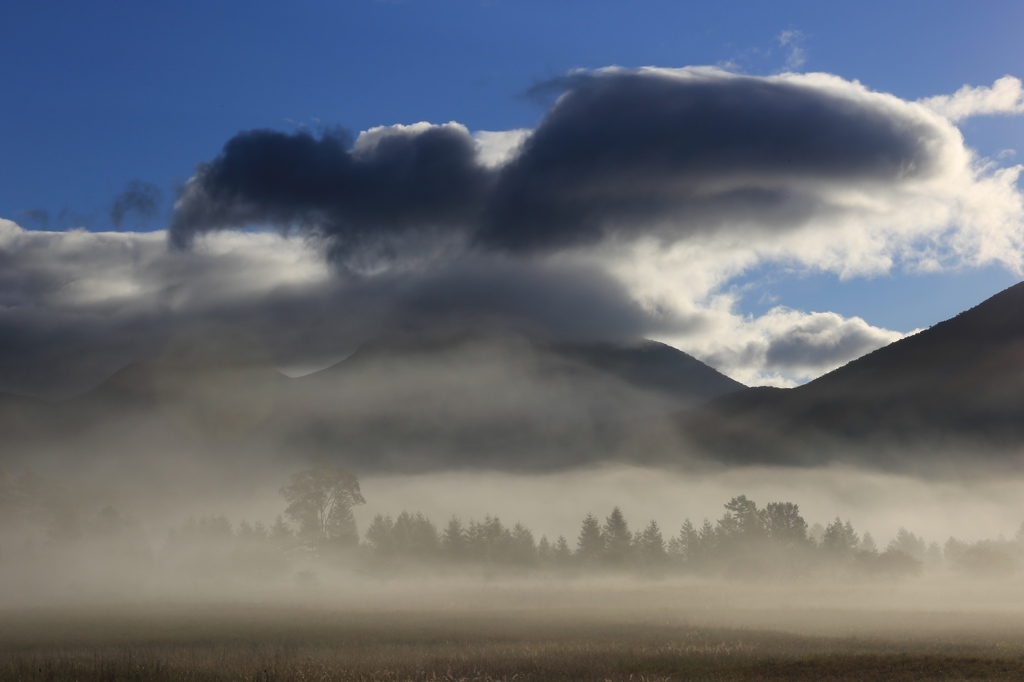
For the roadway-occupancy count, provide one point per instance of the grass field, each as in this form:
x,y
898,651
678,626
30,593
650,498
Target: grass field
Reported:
x,y
688,632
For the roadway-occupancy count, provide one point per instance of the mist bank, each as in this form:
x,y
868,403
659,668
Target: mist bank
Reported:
x,y
452,399
937,404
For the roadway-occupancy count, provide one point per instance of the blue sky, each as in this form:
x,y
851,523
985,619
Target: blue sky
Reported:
x,y
98,95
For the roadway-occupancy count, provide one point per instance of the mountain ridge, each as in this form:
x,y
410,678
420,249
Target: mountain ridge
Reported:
x,y
956,385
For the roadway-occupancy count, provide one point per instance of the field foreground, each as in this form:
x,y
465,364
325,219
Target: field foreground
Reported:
x,y
684,632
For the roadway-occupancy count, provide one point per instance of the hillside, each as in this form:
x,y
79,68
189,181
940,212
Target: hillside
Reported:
x,y
952,391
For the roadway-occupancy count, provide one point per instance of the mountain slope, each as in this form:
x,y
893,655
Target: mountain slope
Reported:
x,y
505,401
405,403
955,388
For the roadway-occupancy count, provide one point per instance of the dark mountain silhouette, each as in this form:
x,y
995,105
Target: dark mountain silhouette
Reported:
x,y
951,392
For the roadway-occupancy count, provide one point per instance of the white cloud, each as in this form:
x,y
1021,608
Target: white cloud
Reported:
x,y
796,56
1005,96
498,147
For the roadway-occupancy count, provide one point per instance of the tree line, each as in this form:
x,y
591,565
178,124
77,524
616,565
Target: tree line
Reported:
x,y
318,527
746,542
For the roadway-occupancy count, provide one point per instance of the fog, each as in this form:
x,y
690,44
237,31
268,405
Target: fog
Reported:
x,y
482,470
134,539
554,504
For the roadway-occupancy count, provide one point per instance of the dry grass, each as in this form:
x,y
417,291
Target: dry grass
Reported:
x,y
513,637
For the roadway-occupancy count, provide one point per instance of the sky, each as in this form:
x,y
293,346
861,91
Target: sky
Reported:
x,y
776,188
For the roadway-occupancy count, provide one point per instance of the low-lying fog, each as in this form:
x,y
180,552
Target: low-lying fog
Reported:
x,y
136,539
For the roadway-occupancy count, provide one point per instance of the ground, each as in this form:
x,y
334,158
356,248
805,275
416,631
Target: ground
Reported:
x,y
431,631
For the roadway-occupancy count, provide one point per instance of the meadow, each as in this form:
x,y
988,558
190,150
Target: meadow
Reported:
x,y
510,631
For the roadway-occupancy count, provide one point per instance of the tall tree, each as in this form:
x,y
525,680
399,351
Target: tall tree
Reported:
x,y
590,543
741,521
650,546
618,541
281,535
544,550
523,549
783,524
909,543
839,538
320,501
707,539
453,540
561,554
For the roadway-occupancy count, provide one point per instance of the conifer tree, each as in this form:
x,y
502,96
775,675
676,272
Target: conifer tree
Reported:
x,y
561,554
454,541
544,550
590,543
651,546
618,540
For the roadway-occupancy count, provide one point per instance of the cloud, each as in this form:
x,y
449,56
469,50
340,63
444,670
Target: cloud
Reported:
x,y
785,347
796,56
628,211
76,306
37,216
1005,96
391,181
139,198
793,162
679,154
497,147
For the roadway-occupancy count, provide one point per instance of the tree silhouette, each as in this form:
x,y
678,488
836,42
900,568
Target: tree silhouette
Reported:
x,y
523,549
707,539
686,546
590,544
561,554
454,543
489,541
741,521
281,535
544,550
907,542
379,537
650,547
618,541
783,524
320,501
839,538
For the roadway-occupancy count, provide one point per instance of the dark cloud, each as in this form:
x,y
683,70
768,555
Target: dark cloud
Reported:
x,y
355,196
39,217
568,302
139,198
625,152
621,153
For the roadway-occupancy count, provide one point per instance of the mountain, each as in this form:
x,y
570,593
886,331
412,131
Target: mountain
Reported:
x,y
505,401
401,403
952,392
